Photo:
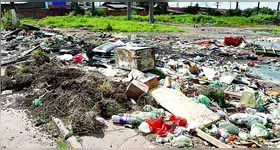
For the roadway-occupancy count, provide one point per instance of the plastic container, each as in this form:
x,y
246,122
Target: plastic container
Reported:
x,y
122,119
144,127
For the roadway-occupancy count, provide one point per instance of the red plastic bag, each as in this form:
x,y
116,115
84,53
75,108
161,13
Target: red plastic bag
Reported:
x,y
179,121
159,127
78,58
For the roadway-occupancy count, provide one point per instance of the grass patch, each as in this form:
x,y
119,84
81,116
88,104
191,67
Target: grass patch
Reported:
x,y
110,23
140,23
61,143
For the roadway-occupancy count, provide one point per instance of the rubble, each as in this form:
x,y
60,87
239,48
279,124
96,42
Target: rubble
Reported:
x,y
223,92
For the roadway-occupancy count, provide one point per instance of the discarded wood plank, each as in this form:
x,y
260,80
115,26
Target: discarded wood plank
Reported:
x,y
29,27
180,105
12,32
211,139
275,140
235,94
29,51
22,58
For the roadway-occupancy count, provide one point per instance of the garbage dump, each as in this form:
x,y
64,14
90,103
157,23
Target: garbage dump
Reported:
x,y
104,77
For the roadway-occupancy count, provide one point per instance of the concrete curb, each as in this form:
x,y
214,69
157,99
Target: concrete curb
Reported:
x,y
63,131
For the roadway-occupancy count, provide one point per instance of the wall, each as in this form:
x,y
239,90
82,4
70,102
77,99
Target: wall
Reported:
x,y
38,13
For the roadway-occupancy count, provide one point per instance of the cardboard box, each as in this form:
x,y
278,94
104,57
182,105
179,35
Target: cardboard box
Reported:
x,y
135,89
151,80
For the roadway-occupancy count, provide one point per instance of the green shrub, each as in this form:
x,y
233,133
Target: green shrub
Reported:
x,y
264,19
215,94
203,19
247,12
99,12
213,12
71,14
7,21
109,27
133,12
88,13
233,12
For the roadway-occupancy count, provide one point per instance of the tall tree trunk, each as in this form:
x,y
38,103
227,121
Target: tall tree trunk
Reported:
x,y
237,5
278,7
151,12
93,8
259,5
129,10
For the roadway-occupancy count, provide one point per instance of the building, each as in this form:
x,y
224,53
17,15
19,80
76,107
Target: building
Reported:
x,y
39,10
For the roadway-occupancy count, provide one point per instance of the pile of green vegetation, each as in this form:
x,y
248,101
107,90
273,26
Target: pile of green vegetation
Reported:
x,y
7,21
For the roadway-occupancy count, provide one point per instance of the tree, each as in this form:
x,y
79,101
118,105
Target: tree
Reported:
x,y
278,7
160,7
237,5
217,5
259,5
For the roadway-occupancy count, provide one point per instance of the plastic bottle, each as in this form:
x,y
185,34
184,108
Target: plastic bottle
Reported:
x,y
101,121
122,119
223,133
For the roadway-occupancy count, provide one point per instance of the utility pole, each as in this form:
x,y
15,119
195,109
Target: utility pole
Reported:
x,y
14,14
237,5
92,7
129,10
151,12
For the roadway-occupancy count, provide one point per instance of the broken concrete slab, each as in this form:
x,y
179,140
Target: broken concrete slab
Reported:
x,y
194,112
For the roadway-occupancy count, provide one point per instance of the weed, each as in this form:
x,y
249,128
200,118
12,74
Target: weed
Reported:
x,y
109,27
88,13
40,57
68,135
71,14
65,119
51,124
151,137
43,116
7,21
61,143
215,94
24,69
99,12
105,87
79,139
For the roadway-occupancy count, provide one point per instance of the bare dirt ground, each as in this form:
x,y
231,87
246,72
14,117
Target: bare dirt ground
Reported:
x,y
18,131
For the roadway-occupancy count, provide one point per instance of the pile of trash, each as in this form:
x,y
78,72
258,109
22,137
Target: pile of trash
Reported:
x,y
92,79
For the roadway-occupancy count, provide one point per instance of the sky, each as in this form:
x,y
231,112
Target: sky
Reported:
x,y
226,5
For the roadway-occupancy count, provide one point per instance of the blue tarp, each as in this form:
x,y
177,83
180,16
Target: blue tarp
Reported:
x,y
59,3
